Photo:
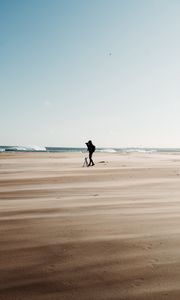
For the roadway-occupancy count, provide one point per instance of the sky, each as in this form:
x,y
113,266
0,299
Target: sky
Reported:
x,y
105,70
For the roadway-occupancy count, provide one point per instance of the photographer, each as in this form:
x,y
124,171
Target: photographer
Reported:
x,y
91,148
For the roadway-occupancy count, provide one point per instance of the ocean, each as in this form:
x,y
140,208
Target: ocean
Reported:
x,y
74,149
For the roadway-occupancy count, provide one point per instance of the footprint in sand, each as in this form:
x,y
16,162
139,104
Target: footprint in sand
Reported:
x,y
165,294
138,282
148,247
154,261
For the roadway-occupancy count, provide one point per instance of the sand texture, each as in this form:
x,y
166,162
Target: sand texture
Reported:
x,y
109,232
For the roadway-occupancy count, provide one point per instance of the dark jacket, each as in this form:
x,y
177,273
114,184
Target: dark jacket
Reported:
x,y
91,147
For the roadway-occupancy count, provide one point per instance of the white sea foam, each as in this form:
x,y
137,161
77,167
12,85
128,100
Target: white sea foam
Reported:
x,y
36,148
15,148
25,148
107,150
130,150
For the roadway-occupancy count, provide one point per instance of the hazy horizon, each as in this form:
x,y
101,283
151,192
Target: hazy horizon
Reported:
x,y
78,70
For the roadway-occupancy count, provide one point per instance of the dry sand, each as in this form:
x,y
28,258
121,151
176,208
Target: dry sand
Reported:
x,y
107,232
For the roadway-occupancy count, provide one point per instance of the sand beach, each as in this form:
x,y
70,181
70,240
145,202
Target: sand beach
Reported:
x,y
108,232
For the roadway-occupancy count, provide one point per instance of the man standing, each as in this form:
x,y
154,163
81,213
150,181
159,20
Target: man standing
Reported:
x,y
91,148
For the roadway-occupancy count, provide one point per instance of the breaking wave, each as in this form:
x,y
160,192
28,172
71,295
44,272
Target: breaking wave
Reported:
x,y
22,148
139,150
107,150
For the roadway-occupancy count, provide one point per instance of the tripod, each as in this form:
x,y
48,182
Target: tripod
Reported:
x,y
85,164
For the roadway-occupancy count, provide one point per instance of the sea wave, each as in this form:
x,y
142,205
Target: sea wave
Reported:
x,y
139,150
37,148
107,150
23,149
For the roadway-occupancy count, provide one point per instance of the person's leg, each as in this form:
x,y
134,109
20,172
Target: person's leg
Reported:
x,y
90,155
91,163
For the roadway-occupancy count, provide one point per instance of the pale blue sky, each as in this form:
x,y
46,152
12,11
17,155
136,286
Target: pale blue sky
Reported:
x,y
60,87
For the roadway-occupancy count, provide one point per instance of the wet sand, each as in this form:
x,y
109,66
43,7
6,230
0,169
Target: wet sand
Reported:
x,y
106,232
